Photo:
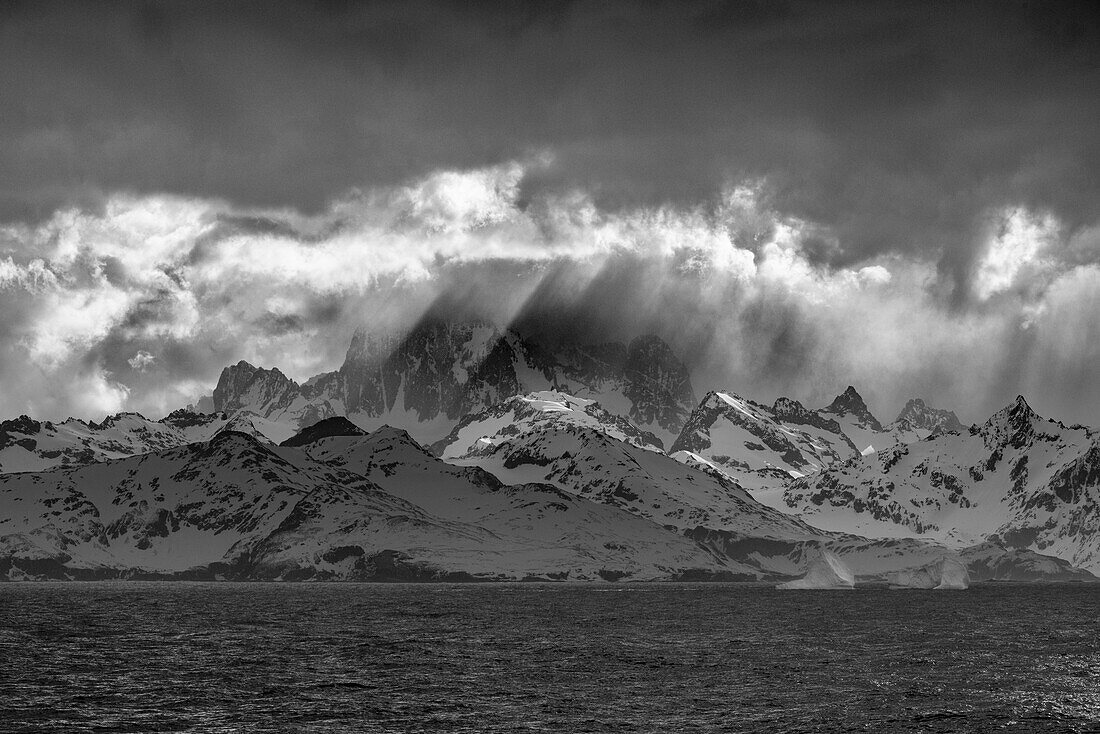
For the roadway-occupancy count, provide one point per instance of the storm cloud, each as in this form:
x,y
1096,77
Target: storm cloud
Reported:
x,y
799,196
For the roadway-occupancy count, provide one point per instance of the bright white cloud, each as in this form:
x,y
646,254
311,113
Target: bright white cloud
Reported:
x,y
145,271
1017,242
141,361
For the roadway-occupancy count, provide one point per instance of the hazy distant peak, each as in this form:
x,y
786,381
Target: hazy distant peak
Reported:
x,y
918,414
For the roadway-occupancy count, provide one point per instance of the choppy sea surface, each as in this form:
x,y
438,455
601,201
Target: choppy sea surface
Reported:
x,y
194,657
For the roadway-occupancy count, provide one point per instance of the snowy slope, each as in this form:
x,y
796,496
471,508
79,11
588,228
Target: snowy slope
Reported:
x,y
481,430
237,508
764,448
761,447
1024,480
703,504
337,506
563,534
545,437
164,511
30,445
590,453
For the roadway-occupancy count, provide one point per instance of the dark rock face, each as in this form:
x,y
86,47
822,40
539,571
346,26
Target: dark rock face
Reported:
x,y
362,371
184,418
17,432
593,363
335,426
1083,472
448,370
851,402
270,388
1016,426
920,415
658,384
792,411
437,369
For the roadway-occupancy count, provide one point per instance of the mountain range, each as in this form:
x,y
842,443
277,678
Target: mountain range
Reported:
x,y
466,451
427,379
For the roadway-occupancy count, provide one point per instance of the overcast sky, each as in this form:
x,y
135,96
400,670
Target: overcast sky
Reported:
x,y
797,196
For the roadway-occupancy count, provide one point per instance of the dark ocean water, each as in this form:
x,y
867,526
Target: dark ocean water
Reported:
x,y
143,657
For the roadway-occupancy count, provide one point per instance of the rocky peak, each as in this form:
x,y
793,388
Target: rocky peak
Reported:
x,y
851,402
15,432
792,411
440,371
264,387
1018,412
1012,425
438,368
185,418
918,414
786,408
712,400
23,424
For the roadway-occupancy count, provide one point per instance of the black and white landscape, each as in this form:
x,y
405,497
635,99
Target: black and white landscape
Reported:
x,y
463,451
627,366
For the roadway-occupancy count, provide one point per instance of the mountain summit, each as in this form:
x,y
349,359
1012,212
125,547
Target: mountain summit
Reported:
x,y
1018,479
427,379
926,418
1015,424
851,403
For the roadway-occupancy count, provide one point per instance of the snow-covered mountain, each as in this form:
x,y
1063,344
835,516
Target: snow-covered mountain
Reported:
x,y
236,508
164,511
562,472
334,503
926,420
587,452
863,429
428,379
1019,479
766,447
30,445
564,535
480,431
761,447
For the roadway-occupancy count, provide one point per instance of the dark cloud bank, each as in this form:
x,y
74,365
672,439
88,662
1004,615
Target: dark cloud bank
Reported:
x,y
894,134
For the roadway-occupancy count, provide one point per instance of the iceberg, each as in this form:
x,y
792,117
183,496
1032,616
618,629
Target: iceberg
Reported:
x,y
946,573
826,571
953,575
